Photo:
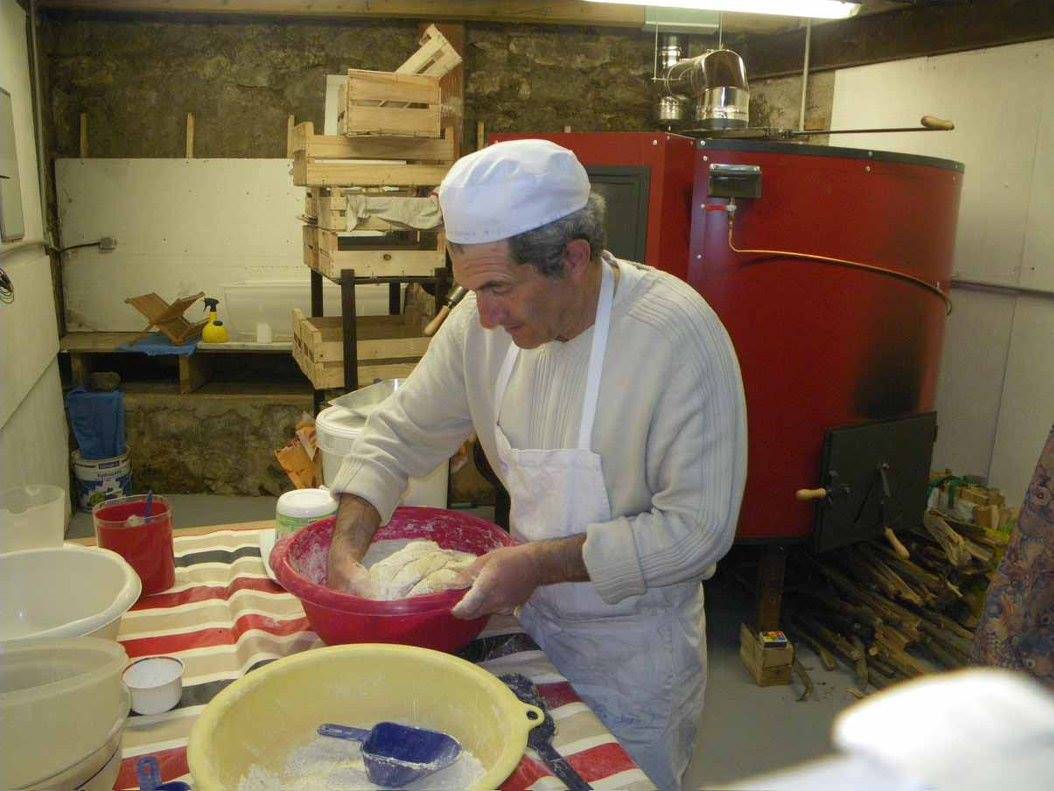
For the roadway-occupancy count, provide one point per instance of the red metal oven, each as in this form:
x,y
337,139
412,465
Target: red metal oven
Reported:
x,y
840,358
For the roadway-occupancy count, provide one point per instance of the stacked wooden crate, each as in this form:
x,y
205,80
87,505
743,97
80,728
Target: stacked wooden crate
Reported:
x,y
392,144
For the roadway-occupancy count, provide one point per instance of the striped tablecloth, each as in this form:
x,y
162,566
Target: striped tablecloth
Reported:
x,y
224,617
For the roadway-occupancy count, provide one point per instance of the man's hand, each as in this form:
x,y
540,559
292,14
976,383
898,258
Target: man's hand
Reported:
x,y
504,579
356,523
346,572
507,577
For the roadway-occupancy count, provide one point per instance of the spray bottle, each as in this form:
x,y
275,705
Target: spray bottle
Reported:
x,y
214,331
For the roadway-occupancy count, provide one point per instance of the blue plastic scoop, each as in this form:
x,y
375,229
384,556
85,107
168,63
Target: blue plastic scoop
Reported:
x,y
396,755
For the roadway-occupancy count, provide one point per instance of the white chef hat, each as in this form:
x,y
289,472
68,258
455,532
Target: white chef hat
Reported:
x,y
508,188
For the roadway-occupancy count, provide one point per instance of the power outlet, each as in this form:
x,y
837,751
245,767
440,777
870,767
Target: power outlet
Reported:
x,y
107,244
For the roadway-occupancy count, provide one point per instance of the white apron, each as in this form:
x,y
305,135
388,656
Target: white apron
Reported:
x,y
642,670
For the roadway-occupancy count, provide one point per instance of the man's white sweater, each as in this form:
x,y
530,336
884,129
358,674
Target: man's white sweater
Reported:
x,y
670,429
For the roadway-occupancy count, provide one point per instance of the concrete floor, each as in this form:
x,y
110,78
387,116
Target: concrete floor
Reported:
x,y
746,729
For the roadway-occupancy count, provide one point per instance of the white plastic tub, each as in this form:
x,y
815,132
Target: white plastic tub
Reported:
x,y
270,302
301,507
61,705
337,429
32,517
70,591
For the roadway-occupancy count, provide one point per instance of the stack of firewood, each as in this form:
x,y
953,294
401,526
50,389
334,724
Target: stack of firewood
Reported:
x,y
893,611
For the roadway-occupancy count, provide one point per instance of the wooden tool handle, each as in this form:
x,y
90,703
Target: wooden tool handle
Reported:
x,y
933,122
433,326
899,548
810,494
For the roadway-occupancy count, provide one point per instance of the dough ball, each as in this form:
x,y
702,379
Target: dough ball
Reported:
x,y
418,569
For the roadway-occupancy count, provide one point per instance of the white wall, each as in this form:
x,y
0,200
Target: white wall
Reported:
x,y
996,397
33,446
183,226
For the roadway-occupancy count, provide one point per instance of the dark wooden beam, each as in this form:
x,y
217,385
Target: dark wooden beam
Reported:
x,y
896,35
550,12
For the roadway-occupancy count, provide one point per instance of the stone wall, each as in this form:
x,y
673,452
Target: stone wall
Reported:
x,y
221,444
137,78
777,102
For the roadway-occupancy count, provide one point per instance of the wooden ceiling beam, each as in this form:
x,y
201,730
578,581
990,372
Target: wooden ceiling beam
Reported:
x,y
907,33
546,12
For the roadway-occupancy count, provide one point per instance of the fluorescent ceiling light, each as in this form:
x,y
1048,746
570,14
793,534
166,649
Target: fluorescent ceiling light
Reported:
x,y
816,9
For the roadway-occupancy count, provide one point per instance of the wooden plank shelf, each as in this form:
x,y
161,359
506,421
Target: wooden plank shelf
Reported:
x,y
194,370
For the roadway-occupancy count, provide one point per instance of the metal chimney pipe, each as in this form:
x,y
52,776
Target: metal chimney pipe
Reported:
x,y
718,80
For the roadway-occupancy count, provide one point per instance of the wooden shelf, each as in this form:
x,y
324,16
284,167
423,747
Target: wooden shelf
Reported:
x,y
110,343
194,370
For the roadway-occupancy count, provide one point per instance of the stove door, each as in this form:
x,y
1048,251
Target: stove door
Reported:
x,y
876,476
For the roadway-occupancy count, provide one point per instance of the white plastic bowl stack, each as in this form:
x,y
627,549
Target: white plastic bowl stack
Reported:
x,y
62,712
67,591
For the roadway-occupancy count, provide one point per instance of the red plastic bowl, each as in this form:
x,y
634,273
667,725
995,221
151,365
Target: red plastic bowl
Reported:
x,y
299,561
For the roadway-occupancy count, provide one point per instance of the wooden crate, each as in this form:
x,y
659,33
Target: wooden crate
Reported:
x,y
767,665
388,347
304,142
385,103
313,172
323,253
316,196
332,213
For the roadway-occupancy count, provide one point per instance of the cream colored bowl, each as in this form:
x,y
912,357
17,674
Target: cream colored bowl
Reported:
x,y
61,704
67,591
261,718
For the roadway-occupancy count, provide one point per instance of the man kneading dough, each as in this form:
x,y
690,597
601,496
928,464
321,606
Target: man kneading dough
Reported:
x,y
608,399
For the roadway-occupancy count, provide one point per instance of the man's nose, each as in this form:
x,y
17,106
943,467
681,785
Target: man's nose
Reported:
x,y
490,312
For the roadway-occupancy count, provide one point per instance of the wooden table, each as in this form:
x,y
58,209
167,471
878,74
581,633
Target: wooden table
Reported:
x,y
224,618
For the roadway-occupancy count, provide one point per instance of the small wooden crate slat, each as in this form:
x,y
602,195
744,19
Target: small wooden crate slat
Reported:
x,y
385,103
387,347
311,246
310,172
435,57
305,142
312,196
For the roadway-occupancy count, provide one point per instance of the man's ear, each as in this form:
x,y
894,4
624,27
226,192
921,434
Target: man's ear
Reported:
x,y
577,258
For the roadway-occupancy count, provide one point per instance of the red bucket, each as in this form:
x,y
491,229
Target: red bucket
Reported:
x,y
145,542
300,560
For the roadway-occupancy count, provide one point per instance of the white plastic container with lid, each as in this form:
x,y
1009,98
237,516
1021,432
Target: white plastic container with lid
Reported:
x,y
300,508
61,701
32,517
337,429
